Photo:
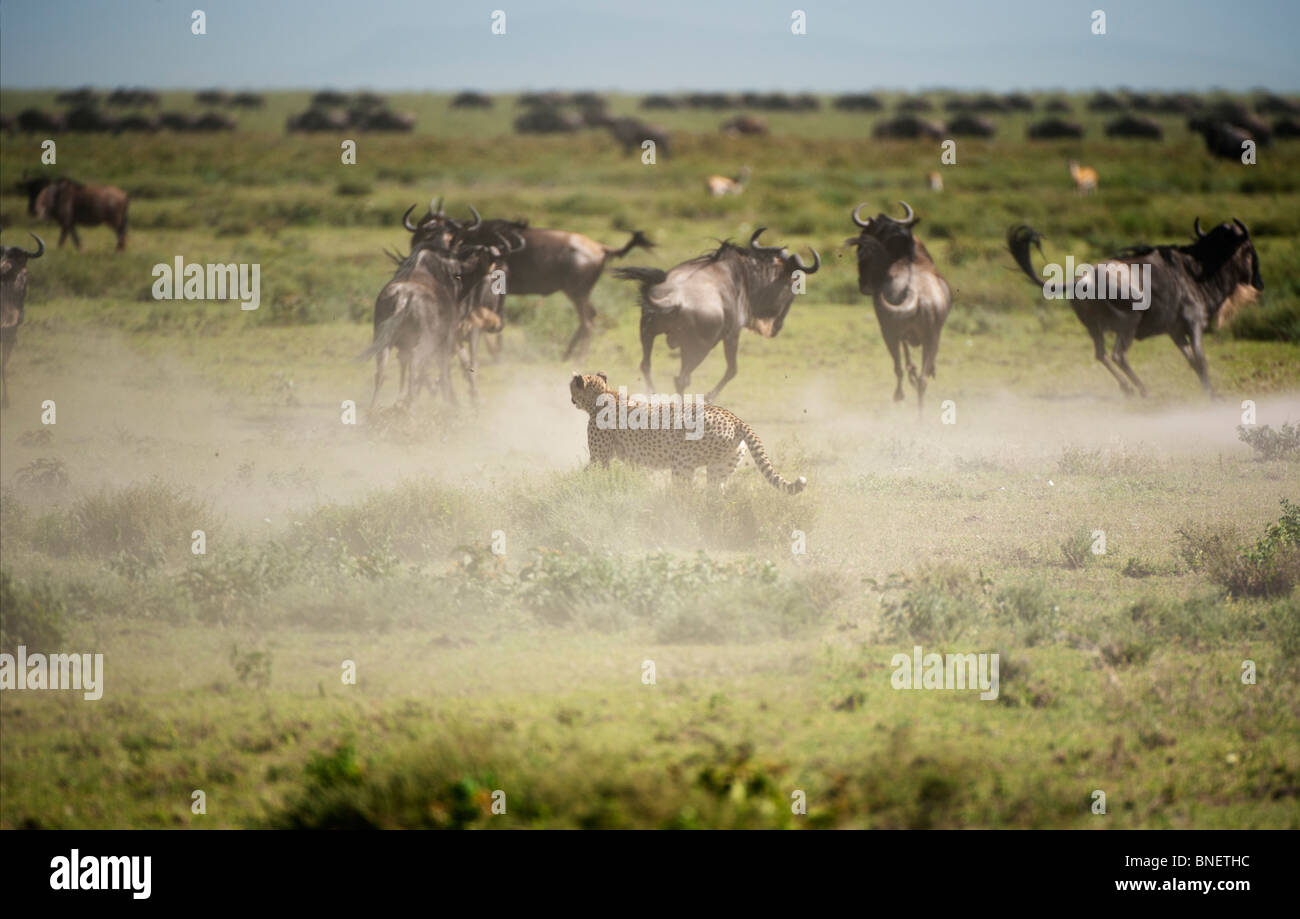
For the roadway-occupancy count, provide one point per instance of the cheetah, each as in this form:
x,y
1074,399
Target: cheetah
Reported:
x,y
690,436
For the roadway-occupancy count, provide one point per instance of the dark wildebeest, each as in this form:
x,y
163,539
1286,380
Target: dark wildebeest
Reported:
x,y
13,291
7,124
1286,128
552,261
91,120
148,124
1133,126
178,121
1271,104
1190,287
967,125
908,127
660,101
915,104
212,97
71,203
1018,102
745,124
381,120
83,96
129,98
210,122
316,119
1226,141
419,312
484,305
470,99
1105,102
911,298
1056,105
247,100
712,298
1053,128
631,133
33,120
1240,117
548,120
328,97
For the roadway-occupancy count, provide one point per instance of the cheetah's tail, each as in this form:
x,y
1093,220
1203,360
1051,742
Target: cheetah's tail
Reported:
x,y
765,465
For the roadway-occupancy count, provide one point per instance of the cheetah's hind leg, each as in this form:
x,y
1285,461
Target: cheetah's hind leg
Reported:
x,y
719,472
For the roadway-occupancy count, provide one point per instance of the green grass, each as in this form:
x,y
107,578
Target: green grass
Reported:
x,y
524,672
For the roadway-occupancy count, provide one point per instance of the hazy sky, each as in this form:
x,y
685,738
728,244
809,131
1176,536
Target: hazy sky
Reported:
x,y
655,44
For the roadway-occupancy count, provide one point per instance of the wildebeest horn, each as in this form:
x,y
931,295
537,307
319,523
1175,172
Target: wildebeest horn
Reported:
x,y
858,220
523,243
910,218
406,219
799,263
435,206
753,242
1196,225
478,220
1242,226
40,247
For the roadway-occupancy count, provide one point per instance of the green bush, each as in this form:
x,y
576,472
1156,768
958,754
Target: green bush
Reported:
x,y
33,616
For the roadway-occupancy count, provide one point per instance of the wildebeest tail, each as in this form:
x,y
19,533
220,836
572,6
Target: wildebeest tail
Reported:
x,y
1019,239
647,277
386,332
765,465
638,239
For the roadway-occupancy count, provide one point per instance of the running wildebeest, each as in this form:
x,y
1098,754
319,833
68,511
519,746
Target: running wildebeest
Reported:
x,y
13,291
71,203
910,297
419,313
482,304
551,261
711,298
1190,287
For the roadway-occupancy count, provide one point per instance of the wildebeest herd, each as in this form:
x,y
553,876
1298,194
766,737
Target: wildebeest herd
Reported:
x,y
452,285
449,290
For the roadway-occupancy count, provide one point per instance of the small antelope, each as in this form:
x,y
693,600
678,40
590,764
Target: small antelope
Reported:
x,y
935,181
1085,178
719,186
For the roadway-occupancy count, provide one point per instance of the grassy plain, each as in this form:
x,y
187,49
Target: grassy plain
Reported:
x,y
326,542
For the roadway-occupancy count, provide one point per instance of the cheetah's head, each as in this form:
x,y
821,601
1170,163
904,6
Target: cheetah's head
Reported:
x,y
585,389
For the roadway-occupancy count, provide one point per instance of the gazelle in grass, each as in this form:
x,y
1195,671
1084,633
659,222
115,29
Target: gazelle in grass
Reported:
x,y
1085,178
720,186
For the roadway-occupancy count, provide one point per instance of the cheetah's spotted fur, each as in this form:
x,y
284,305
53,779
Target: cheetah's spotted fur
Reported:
x,y
718,449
